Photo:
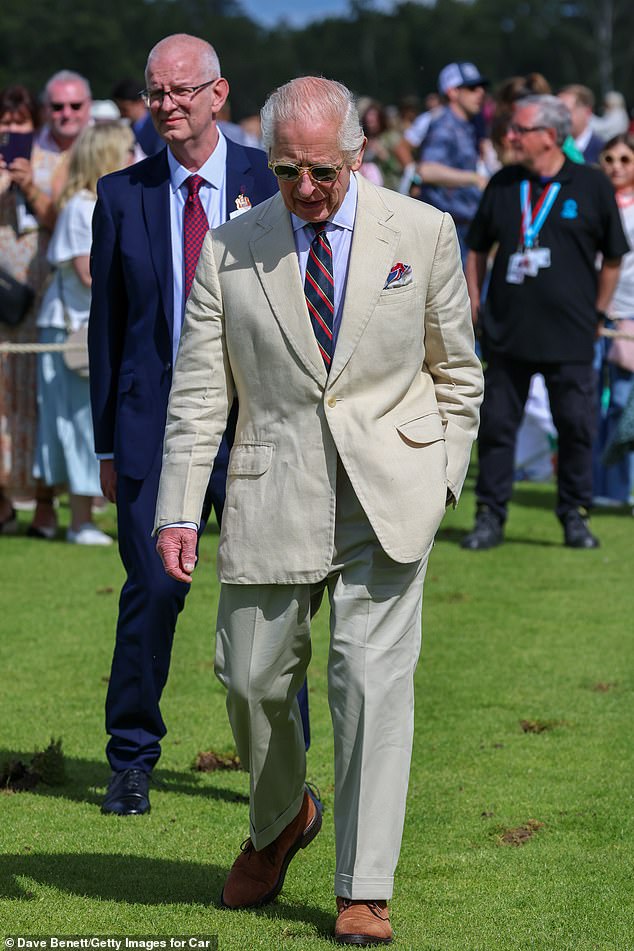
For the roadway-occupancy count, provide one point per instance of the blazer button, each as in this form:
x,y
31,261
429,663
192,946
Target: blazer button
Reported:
x,y
332,401
168,367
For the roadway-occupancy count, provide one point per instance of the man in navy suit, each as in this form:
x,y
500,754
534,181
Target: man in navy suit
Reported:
x,y
138,298
579,100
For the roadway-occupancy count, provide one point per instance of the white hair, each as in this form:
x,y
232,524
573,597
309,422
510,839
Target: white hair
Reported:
x,y
313,98
552,112
67,76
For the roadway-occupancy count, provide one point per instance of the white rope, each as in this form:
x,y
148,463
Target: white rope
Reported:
x,y
618,334
39,347
66,347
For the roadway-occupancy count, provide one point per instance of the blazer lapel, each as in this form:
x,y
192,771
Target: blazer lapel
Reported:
x,y
156,214
239,178
275,259
372,252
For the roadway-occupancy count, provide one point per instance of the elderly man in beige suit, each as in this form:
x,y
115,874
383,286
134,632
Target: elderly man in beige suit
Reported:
x,y
338,314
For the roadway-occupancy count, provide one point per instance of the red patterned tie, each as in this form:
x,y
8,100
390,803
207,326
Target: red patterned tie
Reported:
x,y
319,289
195,227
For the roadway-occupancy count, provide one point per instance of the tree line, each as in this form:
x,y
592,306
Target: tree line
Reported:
x,y
383,55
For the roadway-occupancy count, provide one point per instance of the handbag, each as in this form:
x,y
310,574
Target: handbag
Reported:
x,y
15,299
621,351
75,354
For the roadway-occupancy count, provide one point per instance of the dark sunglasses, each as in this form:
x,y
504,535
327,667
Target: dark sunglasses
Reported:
x,y
321,174
59,106
613,159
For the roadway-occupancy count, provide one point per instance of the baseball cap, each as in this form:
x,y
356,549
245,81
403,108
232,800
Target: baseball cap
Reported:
x,y
460,74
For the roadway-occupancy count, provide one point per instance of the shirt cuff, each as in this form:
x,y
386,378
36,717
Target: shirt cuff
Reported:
x,y
191,525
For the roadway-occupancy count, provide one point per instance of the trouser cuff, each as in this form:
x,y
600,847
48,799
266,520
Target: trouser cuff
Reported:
x,y
364,889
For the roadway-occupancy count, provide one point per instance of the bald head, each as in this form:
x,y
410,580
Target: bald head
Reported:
x,y
187,48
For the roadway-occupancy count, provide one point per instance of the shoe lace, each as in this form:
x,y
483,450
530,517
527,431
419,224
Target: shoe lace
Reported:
x,y
269,851
374,906
247,846
486,518
133,779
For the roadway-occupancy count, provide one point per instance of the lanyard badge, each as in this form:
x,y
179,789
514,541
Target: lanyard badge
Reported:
x,y
528,261
533,221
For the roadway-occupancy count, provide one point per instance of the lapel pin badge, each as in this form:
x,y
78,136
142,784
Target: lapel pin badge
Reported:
x,y
242,203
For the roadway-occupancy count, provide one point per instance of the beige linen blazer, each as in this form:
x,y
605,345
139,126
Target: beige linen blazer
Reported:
x,y
399,406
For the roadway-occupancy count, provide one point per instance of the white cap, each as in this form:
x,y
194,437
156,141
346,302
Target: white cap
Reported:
x,y
460,74
104,109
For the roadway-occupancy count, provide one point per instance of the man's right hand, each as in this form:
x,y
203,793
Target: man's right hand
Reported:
x,y
108,478
177,548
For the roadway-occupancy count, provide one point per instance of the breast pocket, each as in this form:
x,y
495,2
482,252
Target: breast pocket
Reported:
x,y
398,295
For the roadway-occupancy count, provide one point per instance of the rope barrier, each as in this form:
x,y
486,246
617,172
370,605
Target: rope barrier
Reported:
x,y
39,347
604,332
66,347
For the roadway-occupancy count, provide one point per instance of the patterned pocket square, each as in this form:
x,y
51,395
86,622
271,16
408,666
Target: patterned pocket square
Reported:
x,y
400,275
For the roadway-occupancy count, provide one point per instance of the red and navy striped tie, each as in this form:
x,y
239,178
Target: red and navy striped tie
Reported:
x,y
319,289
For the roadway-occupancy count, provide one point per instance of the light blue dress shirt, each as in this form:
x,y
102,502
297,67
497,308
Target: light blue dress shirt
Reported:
x,y
339,230
213,198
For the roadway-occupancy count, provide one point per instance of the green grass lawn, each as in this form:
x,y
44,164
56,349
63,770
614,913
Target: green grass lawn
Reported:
x,y
516,837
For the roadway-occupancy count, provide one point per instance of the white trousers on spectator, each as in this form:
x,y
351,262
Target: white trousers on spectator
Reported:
x,y
262,653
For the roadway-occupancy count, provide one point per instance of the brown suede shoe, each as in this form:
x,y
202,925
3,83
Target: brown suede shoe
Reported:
x,y
362,922
256,877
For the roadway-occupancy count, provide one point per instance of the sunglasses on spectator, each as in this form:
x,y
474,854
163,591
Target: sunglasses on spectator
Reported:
x,y
60,106
613,159
321,174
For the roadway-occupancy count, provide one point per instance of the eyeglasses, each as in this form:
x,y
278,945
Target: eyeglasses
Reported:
x,y
525,129
321,174
60,106
613,159
180,95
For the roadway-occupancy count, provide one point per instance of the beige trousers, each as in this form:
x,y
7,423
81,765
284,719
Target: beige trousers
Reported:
x,y
262,653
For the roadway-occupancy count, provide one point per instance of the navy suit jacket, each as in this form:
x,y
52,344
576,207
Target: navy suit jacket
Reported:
x,y
131,316
593,149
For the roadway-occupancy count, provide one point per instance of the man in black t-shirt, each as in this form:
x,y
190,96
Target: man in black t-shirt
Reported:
x,y
549,218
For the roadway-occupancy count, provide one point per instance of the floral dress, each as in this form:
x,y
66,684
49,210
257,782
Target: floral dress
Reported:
x,y
23,255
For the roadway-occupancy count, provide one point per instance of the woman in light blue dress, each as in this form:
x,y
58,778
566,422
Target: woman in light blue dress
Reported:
x,y
65,444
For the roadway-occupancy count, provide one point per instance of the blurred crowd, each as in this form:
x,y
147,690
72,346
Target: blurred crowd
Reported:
x,y
442,149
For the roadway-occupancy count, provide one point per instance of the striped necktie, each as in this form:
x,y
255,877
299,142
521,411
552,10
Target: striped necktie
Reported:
x,y
195,227
319,289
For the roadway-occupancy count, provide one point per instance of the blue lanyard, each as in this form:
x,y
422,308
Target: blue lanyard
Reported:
x,y
531,226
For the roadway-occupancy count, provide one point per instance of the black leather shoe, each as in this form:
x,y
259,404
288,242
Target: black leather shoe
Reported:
x,y
576,531
488,531
127,793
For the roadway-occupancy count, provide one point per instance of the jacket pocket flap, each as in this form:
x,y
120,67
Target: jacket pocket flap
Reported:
x,y
424,429
250,459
